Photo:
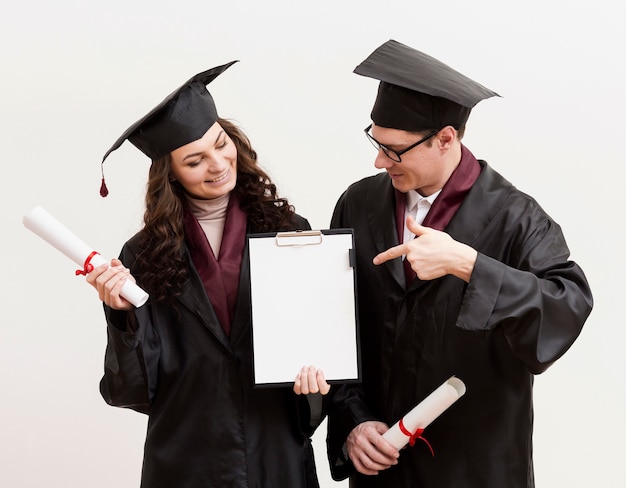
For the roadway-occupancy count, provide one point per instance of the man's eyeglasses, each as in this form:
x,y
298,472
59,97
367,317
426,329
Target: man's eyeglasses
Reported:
x,y
390,153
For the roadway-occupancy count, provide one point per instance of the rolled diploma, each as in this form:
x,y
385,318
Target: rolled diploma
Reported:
x,y
57,235
426,411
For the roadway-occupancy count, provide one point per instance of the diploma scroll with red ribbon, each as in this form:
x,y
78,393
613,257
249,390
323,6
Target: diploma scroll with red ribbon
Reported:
x,y
411,427
57,235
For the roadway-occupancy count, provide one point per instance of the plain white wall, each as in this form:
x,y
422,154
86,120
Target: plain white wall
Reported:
x,y
76,74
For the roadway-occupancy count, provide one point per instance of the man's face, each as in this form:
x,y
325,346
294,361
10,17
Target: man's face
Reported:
x,y
422,168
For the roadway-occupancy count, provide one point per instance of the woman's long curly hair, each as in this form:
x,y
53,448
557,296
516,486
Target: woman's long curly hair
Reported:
x,y
162,264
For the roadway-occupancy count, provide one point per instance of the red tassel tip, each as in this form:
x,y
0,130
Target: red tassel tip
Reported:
x,y
104,191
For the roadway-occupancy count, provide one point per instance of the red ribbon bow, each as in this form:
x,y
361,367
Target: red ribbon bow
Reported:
x,y
87,267
415,435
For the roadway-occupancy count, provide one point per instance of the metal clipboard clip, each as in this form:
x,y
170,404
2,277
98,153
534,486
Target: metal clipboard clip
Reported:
x,y
299,238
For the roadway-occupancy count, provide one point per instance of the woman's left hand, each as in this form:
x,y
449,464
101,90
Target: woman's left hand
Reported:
x,y
310,380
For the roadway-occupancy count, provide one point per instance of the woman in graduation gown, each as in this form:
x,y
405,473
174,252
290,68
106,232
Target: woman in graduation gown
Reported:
x,y
185,357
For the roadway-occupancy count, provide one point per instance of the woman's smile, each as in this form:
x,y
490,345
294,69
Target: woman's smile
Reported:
x,y
220,178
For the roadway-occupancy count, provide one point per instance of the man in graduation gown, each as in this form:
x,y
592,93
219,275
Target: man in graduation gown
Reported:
x,y
458,274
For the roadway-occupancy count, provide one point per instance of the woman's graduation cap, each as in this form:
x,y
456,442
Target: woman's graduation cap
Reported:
x,y
418,92
182,117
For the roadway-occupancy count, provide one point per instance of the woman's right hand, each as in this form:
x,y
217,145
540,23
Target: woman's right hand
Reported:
x,y
108,280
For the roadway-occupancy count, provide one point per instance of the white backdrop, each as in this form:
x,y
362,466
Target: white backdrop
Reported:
x,y
76,74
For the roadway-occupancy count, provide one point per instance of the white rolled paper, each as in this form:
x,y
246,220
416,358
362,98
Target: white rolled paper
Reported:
x,y
57,235
426,411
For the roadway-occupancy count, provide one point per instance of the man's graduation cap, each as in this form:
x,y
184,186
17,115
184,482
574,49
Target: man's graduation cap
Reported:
x,y
182,117
418,92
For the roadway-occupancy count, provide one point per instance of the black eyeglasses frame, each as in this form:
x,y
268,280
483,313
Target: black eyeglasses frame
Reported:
x,y
390,153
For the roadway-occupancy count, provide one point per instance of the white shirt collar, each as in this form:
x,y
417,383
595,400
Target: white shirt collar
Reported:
x,y
413,198
417,207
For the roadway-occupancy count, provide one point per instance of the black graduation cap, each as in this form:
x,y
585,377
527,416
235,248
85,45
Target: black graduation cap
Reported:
x,y
182,117
418,92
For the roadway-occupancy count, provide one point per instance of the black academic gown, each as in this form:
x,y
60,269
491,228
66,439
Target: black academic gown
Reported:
x,y
208,427
523,308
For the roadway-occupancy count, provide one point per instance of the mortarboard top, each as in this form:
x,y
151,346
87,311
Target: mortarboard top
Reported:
x,y
182,117
418,92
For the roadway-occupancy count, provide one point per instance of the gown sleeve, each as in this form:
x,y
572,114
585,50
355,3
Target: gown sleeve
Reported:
x,y
541,301
346,403
131,357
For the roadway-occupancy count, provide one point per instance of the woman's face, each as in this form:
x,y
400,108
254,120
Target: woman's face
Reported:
x,y
206,168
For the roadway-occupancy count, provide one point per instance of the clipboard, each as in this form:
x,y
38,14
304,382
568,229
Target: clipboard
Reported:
x,y
303,295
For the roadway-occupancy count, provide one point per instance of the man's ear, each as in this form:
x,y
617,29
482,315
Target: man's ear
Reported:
x,y
446,136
